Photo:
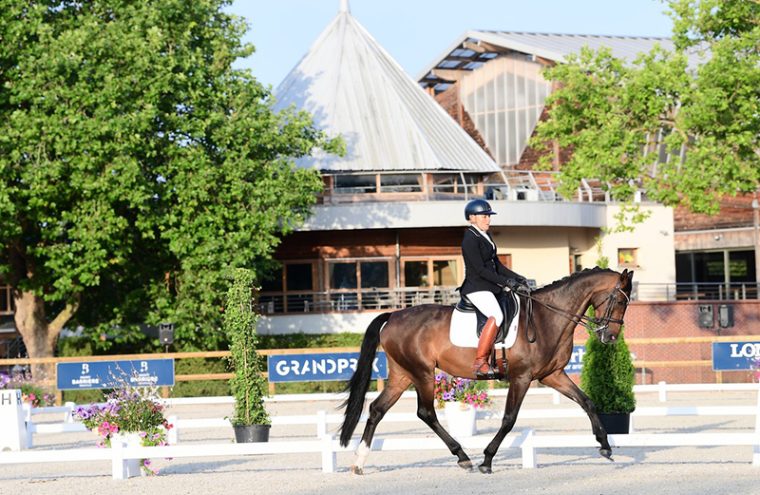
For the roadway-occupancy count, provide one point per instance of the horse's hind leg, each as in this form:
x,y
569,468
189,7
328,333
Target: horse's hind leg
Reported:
x,y
426,412
564,385
395,386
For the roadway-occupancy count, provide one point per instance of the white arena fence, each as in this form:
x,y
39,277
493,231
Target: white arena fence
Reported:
x,y
327,446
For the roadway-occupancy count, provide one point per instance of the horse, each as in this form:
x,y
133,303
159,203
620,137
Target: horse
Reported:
x,y
416,342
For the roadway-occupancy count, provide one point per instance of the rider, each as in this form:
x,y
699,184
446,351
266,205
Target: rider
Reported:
x,y
485,277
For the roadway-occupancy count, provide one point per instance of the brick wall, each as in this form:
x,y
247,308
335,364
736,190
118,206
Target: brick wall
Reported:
x,y
657,320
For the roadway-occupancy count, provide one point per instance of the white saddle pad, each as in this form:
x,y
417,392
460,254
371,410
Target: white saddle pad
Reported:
x,y
463,333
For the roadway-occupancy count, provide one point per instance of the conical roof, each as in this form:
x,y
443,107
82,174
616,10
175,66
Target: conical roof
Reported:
x,y
354,88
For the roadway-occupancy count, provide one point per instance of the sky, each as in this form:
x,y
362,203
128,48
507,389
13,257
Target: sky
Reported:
x,y
417,32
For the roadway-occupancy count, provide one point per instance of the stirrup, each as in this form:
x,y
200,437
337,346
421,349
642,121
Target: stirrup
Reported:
x,y
491,374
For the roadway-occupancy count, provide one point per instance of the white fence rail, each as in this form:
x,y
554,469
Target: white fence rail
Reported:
x,y
527,441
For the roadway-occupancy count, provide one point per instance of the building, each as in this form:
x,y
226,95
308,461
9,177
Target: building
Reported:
x,y
491,83
387,230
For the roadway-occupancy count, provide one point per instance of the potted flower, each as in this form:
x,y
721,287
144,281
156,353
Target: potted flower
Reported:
x,y
31,393
250,420
131,415
460,398
608,377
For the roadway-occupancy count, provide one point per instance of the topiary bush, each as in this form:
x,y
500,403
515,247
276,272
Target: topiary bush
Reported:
x,y
248,386
608,375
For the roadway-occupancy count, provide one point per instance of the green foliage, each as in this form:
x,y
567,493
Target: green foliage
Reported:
x,y
608,375
605,109
136,164
248,386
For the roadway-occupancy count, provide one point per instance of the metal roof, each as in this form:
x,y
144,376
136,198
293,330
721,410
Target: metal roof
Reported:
x,y
475,48
354,88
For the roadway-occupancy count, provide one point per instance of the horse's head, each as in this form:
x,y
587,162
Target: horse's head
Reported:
x,y
610,302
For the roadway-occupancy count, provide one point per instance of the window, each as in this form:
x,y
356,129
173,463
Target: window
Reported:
x,y
431,272
627,257
355,184
415,274
400,183
297,279
354,284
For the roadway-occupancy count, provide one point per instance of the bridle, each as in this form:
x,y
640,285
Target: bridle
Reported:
x,y
596,325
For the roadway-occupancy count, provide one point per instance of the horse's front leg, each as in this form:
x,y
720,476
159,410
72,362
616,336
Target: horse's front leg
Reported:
x,y
518,386
426,412
563,384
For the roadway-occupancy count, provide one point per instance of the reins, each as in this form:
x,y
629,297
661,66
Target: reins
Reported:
x,y
597,325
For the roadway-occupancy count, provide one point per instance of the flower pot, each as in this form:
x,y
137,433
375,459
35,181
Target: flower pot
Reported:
x,y
460,419
251,433
129,439
616,423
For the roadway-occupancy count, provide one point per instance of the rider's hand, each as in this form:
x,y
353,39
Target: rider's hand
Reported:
x,y
512,283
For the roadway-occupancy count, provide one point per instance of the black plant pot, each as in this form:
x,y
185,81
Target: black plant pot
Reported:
x,y
616,423
251,433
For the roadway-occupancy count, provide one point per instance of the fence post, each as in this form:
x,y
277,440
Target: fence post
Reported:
x,y
528,450
173,435
118,463
663,391
329,457
321,424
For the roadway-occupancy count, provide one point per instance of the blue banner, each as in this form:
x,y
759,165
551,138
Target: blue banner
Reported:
x,y
115,374
321,367
575,365
735,356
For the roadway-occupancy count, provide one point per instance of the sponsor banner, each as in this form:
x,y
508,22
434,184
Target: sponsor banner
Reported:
x,y
321,367
735,356
114,374
576,360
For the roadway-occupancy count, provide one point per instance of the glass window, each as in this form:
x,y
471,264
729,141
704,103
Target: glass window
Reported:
x,y
299,276
415,274
374,274
343,275
444,272
400,182
272,282
627,257
741,266
355,184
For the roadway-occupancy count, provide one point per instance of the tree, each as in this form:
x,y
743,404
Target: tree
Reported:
x,y
136,165
609,112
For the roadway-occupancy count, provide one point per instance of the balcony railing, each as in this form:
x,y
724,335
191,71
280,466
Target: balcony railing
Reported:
x,y
353,300
379,299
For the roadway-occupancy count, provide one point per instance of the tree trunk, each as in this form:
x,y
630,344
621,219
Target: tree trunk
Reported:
x,y
40,337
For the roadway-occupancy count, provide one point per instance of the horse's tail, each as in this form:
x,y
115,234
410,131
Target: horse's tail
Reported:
x,y
359,382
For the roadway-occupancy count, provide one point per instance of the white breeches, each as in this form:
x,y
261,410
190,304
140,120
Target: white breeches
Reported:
x,y
486,302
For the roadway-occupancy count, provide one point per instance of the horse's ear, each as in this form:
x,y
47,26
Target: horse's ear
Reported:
x,y
630,276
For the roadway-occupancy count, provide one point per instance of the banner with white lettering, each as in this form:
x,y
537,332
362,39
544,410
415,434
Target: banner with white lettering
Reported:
x,y
321,367
735,356
576,360
112,374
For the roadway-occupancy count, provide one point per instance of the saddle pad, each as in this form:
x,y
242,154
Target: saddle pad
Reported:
x,y
463,331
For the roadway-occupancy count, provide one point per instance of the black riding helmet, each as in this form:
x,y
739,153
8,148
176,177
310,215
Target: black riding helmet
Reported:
x,y
477,207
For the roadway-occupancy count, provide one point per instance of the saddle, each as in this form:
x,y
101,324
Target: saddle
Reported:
x,y
507,302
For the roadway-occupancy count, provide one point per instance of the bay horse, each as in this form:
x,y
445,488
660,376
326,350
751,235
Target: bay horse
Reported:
x,y
416,342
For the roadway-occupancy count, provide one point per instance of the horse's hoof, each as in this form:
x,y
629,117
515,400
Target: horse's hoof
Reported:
x,y
485,469
607,454
357,470
466,465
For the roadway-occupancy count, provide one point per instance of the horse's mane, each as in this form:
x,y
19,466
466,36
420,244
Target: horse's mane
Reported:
x,y
573,276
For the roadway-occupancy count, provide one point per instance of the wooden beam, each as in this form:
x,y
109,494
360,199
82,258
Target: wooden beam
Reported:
x,y
449,75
